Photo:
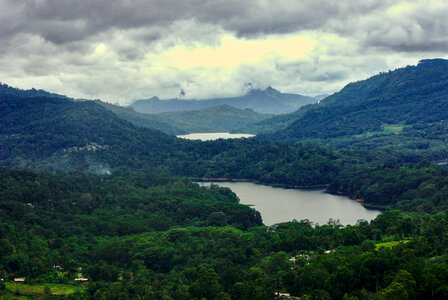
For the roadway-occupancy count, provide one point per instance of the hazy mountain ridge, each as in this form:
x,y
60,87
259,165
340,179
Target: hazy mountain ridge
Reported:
x,y
221,118
261,101
66,136
142,119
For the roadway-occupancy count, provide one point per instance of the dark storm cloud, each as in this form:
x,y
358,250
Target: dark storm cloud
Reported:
x,y
421,30
65,21
62,21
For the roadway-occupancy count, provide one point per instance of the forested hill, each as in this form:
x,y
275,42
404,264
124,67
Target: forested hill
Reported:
x,y
268,101
66,135
405,108
221,118
141,119
9,91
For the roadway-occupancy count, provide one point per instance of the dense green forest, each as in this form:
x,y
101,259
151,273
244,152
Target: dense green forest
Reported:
x,y
421,187
405,110
159,237
67,136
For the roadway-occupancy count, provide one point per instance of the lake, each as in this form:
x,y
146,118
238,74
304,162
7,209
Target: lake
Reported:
x,y
210,136
278,205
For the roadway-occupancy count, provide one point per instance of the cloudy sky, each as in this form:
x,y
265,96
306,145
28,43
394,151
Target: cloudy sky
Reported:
x,y
124,50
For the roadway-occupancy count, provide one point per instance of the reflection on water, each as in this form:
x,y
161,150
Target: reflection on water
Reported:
x,y
209,136
281,205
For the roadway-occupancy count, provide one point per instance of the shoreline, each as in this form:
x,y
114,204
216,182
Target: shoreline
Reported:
x,y
290,186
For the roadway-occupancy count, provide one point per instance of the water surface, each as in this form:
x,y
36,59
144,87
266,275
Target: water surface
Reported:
x,y
281,205
209,136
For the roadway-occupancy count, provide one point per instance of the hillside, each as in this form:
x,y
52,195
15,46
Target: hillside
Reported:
x,y
9,91
268,101
66,136
142,120
221,118
405,108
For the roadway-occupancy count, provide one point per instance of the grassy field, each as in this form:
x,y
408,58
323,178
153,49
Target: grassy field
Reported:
x,y
389,244
38,289
385,129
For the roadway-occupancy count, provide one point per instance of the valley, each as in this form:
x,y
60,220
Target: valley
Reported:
x,y
97,193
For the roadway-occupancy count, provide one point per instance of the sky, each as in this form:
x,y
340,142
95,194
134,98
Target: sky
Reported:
x,y
122,50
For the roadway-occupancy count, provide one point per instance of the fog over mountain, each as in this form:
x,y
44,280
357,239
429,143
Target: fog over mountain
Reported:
x,y
268,101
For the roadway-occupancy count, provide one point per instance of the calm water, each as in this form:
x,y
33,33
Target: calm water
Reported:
x,y
209,136
281,205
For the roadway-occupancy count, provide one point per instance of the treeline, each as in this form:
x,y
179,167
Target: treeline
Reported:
x,y
421,187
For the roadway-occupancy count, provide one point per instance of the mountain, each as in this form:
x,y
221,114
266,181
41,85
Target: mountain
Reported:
x,y
268,101
221,118
406,108
143,120
271,125
64,135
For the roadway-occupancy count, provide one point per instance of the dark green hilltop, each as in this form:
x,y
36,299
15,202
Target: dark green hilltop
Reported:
x,y
98,201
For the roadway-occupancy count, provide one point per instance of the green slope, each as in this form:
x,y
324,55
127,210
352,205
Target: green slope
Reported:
x,y
413,99
142,119
65,135
222,118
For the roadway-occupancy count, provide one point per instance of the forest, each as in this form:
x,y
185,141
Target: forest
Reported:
x,y
403,110
152,237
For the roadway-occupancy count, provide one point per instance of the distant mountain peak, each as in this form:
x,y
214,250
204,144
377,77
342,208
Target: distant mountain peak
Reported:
x,y
271,90
267,91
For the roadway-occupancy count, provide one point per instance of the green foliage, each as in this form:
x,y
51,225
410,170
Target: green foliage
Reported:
x,y
183,261
418,187
222,118
66,136
359,116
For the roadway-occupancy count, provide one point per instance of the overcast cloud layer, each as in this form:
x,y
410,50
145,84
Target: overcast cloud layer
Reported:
x,y
124,50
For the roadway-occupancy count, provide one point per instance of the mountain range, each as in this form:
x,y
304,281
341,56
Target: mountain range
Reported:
x,y
268,101
404,110
223,118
